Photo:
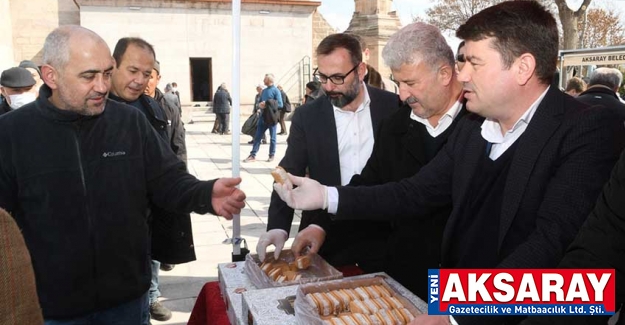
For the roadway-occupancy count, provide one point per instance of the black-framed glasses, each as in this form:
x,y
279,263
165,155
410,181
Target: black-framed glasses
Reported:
x,y
336,79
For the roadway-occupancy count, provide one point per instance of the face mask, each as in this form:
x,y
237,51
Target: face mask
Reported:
x,y
174,89
20,100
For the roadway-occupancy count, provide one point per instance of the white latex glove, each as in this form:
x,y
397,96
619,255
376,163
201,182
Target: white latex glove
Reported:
x,y
311,237
309,194
276,237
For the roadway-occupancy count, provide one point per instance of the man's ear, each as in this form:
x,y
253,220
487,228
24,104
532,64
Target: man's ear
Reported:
x,y
50,76
445,74
525,68
362,71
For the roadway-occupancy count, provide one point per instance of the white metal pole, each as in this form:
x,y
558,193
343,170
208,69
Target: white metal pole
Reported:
x,y
236,101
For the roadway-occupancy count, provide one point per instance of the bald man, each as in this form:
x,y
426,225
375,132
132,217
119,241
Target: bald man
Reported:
x,y
78,172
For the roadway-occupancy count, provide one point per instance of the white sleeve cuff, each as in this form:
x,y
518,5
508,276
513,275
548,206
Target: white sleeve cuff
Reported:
x,y
453,321
333,199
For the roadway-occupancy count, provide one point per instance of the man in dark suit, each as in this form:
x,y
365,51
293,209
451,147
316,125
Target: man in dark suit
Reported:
x,y
600,244
407,141
333,137
521,176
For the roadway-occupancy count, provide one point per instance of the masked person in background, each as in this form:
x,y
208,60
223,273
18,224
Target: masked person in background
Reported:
x,y
16,85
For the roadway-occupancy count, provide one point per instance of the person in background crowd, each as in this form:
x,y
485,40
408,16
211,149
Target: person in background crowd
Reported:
x,y
181,250
460,58
80,185
521,174
269,93
373,77
35,72
221,107
575,86
257,110
133,80
283,110
16,86
312,91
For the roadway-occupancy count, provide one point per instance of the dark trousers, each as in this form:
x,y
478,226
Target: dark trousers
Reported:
x,y
223,122
282,125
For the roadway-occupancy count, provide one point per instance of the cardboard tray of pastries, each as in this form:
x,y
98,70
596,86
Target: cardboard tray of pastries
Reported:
x,y
287,270
353,302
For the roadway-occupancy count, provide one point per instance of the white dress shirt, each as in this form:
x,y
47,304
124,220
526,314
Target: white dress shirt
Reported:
x,y
354,134
491,130
443,123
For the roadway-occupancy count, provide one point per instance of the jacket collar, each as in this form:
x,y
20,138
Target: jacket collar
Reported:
x,y
54,113
599,90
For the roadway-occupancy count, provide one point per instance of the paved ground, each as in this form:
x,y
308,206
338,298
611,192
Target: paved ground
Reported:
x,y
210,156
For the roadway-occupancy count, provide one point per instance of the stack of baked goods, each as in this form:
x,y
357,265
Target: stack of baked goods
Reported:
x,y
363,305
281,271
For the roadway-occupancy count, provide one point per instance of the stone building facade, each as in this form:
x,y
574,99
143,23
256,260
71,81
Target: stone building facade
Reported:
x,y
193,38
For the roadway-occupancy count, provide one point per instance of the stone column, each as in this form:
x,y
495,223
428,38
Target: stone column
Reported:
x,y
374,21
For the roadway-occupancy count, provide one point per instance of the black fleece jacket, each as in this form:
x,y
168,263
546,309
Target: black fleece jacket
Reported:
x,y
79,187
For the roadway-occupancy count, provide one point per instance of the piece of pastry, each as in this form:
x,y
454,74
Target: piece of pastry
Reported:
x,y
382,303
343,297
408,316
279,175
348,319
337,321
394,302
274,274
362,293
357,306
372,291
315,302
384,292
335,304
266,267
325,309
399,316
384,315
351,293
361,319
303,262
342,305
371,305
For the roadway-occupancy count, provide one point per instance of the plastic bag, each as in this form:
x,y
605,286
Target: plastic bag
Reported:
x,y
250,125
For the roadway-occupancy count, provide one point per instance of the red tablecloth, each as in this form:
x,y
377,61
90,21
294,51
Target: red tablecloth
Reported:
x,y
210,309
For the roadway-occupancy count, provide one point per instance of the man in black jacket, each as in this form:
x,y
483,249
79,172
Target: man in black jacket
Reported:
x,y
78,171
602,88
521,176
407,141
172,240
333,137
221,106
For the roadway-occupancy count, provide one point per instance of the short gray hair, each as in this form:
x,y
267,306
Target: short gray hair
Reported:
x,y
609,77
56,47
271,77
415,43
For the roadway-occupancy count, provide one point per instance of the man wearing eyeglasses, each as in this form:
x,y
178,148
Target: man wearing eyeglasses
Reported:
x,y
333,137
